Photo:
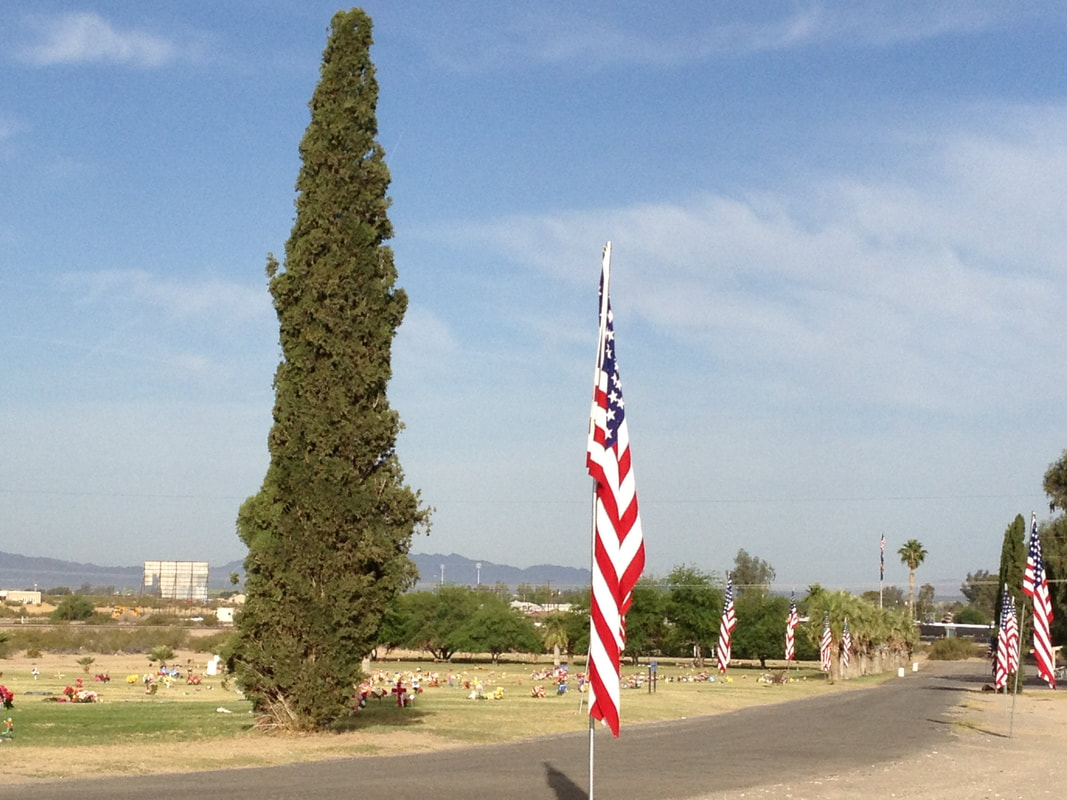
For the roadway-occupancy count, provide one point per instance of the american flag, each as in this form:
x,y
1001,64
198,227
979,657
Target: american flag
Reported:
x,y
846,646
1007,643
618,546
790,630
881,561
1013,639
726,628
1035,585
825,643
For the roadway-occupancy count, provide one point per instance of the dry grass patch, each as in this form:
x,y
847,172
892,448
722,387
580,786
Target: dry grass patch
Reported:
x,y
179,729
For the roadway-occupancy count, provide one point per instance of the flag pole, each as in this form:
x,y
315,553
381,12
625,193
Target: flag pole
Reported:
x,y
589,655
606,278
1018,669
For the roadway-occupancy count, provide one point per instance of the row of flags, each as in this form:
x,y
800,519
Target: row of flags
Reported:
x,y
1035,586
826,643
619,553
1007,659
729,621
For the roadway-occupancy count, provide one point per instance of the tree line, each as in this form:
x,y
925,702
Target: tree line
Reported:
x,y
676,616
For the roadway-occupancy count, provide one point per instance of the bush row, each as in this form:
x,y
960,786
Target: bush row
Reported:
x,y
106,640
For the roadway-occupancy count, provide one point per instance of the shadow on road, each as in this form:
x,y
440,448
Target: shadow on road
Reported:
x,y
975,728
563,787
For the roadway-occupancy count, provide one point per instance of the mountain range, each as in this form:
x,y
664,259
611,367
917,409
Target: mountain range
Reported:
x,y
28,572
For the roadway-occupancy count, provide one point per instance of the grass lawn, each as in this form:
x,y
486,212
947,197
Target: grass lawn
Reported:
x,y
181,727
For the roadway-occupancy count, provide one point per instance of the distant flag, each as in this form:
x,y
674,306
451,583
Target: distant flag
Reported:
x,y
790,630
846,645
1008,629
825,643
1013,639
881,561
618,545
726,628
1035,585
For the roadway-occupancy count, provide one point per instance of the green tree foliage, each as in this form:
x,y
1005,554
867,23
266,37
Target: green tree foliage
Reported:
x,y
72,608
1054,545
980,588
694,606
882,638
892,597
1055,483
912,554
924,603
972,615
646,621
433,621
555,635
1012,564
760,631
1054,550
496,628
577,620
751,574
329,531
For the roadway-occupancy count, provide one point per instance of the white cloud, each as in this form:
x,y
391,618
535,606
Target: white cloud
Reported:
x,y
86,37
937,291
568,37
222,301
424,342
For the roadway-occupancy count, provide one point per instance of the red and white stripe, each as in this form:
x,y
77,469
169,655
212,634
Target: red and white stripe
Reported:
x,y
1007,643
618,548
846,646
727,623
1035,585
826,642
791,623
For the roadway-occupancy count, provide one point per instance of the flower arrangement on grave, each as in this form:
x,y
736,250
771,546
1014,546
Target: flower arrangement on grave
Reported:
x,y
7,698
80,695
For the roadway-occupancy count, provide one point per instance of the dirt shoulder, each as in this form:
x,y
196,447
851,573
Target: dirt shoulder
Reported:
x,y
991,753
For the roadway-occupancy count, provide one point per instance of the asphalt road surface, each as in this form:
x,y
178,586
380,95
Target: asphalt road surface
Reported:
x,y
687,759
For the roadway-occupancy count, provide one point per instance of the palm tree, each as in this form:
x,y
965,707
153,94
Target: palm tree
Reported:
x,y
912,554
554,635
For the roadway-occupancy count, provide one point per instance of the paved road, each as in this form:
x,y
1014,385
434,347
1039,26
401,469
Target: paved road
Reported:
x,y
764,745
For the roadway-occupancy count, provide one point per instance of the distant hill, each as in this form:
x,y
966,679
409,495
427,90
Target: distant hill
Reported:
x,y
25,572
464,571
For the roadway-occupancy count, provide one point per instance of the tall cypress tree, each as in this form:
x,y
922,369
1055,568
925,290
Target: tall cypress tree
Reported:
x,y
329,531
1012,563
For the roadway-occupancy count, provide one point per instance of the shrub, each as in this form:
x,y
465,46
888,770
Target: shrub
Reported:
x,y
160,619
216,643
969,615
954,649
104,639
73,608
162,654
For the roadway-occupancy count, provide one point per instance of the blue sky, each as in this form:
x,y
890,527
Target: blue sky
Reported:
x,y
839,271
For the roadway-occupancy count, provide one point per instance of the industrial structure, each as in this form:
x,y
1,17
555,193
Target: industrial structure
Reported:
x,y
176,580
